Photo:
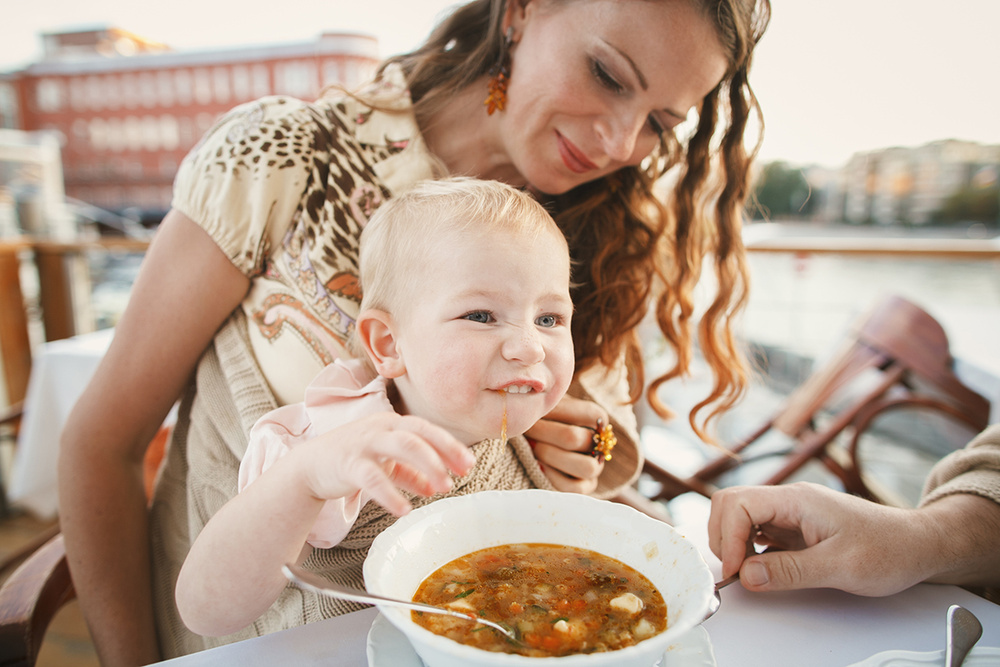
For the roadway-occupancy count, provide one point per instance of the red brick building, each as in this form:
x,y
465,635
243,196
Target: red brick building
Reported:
x,y
127,110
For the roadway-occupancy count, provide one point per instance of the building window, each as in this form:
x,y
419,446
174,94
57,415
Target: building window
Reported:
x,y
220,79
50,95
202,86
133,133
187,135
165,88
333,73
203,123
116,135
80,130
182,84
148,89
95,92
170,136
261,81
112,92
150,133
241,84
168,167
130,88
297,79
9,117
98,134
77,94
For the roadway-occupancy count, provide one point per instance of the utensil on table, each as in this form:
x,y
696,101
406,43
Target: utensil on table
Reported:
x,y
964,630
716,601
317,584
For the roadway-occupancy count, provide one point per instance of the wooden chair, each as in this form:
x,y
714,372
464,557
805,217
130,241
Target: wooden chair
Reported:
x,y
896,357
38,589
29,600
10,419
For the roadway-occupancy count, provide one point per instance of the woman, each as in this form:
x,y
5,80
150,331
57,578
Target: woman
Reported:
x,y
581,100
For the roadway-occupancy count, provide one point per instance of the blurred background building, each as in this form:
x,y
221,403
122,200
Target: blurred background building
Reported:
x,y
125,110
942,183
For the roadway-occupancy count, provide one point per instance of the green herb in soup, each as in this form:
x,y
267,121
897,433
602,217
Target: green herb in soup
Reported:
x,y
559,600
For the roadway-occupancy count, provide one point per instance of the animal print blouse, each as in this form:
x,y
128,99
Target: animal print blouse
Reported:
x,y
285,187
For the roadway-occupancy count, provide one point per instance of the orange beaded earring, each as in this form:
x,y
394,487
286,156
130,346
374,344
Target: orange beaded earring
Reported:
x,y
499,73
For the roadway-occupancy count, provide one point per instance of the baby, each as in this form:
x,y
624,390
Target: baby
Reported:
x,y
463,336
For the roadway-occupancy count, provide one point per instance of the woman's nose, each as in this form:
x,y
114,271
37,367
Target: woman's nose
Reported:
x,y
619,134
523,345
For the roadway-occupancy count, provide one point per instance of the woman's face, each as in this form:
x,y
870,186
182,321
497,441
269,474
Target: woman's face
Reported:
x,y
594,82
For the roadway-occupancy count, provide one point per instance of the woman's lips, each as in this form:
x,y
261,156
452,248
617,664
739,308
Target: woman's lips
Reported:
x,y
572,157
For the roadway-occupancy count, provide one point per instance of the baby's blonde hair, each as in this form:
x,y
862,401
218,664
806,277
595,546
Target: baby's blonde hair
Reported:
x,y
399,236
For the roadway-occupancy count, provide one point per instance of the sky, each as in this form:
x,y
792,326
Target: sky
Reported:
x,y
833,78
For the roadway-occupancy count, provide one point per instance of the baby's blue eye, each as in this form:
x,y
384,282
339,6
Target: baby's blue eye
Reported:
x,y
481,316
547,321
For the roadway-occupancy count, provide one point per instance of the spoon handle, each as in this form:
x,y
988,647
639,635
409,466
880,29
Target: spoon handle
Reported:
x,y
964,630
317,584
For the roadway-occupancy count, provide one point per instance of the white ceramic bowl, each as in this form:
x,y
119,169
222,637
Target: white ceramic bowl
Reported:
x,y
419,543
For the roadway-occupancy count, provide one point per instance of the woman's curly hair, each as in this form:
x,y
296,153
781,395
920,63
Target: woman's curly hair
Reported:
x,y
637,244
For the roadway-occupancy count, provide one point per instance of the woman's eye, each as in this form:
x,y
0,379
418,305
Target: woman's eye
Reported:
x,y
481,316
604,77
548,321
657,126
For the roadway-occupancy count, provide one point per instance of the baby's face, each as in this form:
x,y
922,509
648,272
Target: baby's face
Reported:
x,y
488,323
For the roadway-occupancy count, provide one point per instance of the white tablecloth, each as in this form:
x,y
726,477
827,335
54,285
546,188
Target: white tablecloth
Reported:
x,y
813,628
60,371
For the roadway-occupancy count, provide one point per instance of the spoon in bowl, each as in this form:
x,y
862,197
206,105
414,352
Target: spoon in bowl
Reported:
x,y
317,584
716,601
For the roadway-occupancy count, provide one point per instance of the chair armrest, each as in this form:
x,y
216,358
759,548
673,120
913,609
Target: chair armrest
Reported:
x,y
30,598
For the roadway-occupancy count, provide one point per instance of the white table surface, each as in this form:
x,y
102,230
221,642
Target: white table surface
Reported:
x,y
60,371
818,628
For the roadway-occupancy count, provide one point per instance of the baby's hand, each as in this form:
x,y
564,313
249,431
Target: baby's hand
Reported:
x,y
382,452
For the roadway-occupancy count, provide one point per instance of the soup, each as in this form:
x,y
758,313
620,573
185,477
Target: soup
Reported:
x,y
559,600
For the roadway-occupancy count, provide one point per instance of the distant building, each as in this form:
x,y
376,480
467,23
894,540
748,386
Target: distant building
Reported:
x,y
911,185
126,110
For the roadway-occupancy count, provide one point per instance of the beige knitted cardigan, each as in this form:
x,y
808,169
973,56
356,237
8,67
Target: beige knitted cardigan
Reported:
x,y
974,469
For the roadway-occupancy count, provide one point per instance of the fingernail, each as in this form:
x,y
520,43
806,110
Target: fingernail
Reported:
x,y
755,574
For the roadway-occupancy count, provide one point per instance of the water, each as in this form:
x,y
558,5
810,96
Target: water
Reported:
x,y
800,309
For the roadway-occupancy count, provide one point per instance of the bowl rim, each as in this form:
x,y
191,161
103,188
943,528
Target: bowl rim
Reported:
x,y
385,544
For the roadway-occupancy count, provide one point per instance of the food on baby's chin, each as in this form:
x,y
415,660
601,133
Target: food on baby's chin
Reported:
x,y
559,600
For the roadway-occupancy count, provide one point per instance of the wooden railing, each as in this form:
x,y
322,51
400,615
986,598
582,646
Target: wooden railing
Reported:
x,y
881,246
60,267
58,263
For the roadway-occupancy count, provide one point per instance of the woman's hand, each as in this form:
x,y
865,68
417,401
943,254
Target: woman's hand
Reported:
x,y
563,442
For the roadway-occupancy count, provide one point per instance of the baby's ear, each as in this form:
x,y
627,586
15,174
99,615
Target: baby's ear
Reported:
x,y
376,332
